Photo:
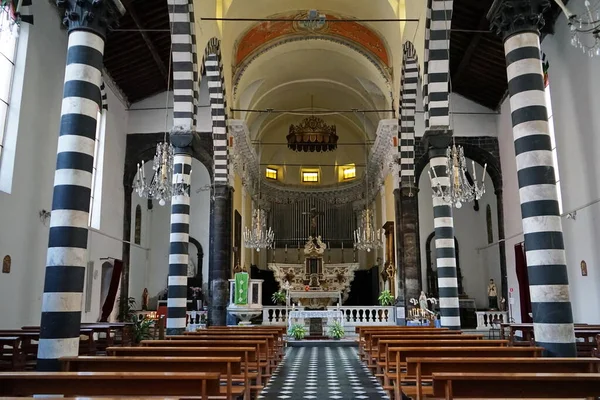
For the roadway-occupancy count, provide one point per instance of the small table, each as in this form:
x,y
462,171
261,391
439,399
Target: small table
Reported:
x,y
298,317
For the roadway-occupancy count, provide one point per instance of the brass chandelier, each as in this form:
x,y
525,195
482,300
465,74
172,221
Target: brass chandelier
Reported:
x,y
312,134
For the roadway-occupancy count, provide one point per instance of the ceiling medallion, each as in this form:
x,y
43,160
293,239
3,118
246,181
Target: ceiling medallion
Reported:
x,y
311,135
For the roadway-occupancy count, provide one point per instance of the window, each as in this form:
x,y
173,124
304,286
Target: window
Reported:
x,y
8,46
310,176
271,174
348,172
96,188
553,144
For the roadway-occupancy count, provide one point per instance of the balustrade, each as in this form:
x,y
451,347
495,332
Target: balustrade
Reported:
x,y
367,315
487,320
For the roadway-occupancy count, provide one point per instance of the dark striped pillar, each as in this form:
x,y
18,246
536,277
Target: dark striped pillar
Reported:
x,y
437,143
180,232
519,22
67,244
407,242
220,263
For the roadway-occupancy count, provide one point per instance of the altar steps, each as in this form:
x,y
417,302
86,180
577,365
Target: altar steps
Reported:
x,y
325,342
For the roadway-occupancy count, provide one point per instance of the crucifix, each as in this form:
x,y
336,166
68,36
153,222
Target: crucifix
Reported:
x,y
313,220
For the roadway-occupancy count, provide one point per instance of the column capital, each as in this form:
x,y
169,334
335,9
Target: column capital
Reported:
x,y
91,15
437,138
181,139
509,17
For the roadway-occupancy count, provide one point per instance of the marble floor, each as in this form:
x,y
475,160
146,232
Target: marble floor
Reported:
x,y
322,373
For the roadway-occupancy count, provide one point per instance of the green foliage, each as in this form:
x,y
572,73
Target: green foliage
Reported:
x,y
297,331
278,297
141,328
127,310
386,298
336,331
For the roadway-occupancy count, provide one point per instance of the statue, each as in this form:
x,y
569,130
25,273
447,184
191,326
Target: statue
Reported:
x,y
191,270
492,295
313,221
423,301
145,300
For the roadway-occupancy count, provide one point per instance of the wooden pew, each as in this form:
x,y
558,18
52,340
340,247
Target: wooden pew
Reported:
x,y
277,332
262,349
11,353
450,385
203,384
248,354
365,346
420,369
274,353
400,355
226,366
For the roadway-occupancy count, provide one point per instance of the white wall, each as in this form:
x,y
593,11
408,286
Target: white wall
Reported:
x,y
23,235
470,230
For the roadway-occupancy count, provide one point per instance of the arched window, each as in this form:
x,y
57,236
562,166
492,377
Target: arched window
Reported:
x,y
138,225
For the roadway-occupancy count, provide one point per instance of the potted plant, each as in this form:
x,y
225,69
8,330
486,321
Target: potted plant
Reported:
x,y
278,297
141,328
336,331
297,331
386,298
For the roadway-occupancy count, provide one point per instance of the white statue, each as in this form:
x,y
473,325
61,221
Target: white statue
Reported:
x,y
423,301
492,295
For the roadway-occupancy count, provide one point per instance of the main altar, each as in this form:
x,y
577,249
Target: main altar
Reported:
x,y
314,284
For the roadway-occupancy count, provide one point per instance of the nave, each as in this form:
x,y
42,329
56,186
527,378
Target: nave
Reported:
x,y
322,373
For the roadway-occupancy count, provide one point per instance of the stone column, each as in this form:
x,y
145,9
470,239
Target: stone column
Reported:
x,y
220,262
179,238
407,243
67,257
436,142
519,23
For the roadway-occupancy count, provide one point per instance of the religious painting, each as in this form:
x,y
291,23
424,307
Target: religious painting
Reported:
x,y
584,271
6,262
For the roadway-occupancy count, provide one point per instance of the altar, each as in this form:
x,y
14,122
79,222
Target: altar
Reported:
x,y
327,318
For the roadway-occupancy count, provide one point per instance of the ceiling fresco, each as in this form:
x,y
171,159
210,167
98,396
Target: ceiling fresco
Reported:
x,y
268,32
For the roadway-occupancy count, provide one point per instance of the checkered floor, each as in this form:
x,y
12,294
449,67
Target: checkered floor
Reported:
x,y
322,373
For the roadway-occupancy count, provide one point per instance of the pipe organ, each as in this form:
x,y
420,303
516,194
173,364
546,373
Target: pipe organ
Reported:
x,y
291,223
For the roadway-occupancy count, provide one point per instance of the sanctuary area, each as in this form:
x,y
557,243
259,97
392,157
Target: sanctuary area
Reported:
x,y
299,199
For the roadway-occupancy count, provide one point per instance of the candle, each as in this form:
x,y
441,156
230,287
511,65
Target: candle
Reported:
x,y
434,174
484,168
474,174
429,173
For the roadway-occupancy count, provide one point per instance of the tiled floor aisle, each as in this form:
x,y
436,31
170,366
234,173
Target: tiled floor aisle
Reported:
x,y
322,373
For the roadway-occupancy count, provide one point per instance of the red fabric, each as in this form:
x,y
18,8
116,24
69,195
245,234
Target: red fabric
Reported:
x,y
109,303
523,278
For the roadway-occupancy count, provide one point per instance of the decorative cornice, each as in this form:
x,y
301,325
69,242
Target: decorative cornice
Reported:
x,y
381,159
510,17
91,15
385,71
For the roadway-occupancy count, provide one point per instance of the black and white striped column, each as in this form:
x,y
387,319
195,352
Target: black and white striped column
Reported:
x,y
179,243
67,244
408,108
443,223
437,63
542,228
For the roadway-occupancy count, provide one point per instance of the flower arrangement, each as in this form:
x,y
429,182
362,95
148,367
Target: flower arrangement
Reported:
x,y
336,331
297,331
306,288
278,297
386,298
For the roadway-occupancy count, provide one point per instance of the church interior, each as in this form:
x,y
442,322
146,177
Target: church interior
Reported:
x,y
285,199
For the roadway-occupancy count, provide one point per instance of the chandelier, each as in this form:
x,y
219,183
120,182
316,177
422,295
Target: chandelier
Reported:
x,y
259,237
460,189
161,186
585,28
311,135
366,237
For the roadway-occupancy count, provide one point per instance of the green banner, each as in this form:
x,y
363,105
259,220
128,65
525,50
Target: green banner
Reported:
x,y
241,288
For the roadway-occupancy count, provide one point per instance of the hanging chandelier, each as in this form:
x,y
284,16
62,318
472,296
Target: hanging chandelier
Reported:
x,y
259,237
161,186
312,134
461,189
366,237
585,28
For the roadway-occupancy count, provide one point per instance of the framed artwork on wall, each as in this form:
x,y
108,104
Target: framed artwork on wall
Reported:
x,y
6,262
584,271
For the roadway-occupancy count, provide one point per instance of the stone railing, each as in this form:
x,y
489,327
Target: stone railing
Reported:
x,y
367,315
275,315
487,320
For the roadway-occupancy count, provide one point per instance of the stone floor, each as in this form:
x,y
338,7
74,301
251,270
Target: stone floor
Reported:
x,y
322,373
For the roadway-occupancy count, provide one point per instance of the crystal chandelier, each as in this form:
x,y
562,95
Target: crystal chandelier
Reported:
x,y
161,186
259,237
366,237
460,189
585,28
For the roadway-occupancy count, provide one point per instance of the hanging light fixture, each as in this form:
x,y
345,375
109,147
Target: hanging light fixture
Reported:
x,y
259,236
366,237
460,190
585,28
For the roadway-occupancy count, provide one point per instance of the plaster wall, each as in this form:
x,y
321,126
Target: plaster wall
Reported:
x,y
477,266
24,236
